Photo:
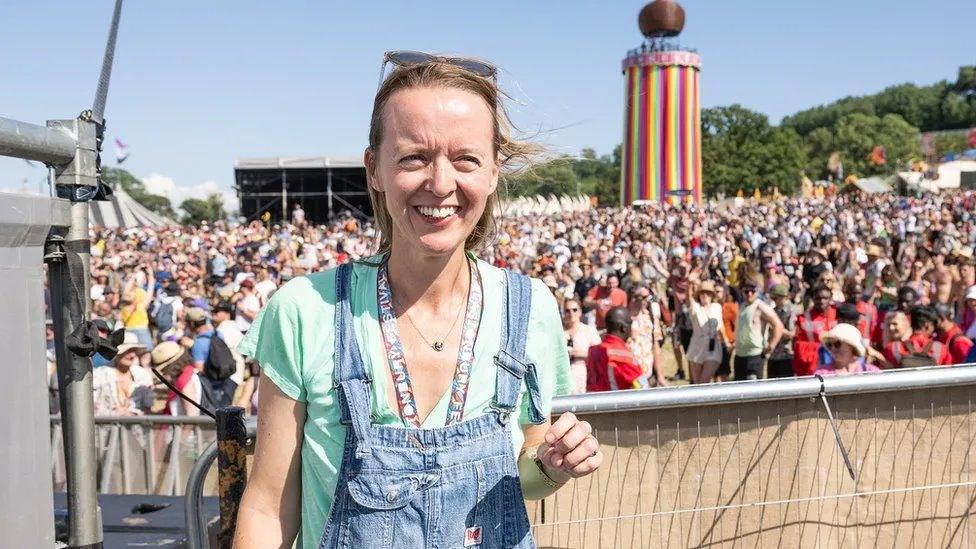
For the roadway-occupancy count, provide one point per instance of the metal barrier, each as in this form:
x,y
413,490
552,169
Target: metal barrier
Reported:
x,y
141,454
757,463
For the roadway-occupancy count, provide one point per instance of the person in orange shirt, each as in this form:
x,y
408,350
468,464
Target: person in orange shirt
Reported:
x,y
610,365
819,318
604,297
730,313
854,295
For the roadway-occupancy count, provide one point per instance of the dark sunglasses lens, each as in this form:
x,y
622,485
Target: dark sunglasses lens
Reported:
x,y
573,310
481,69
407,57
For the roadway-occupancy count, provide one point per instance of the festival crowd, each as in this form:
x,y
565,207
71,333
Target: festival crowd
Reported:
x,y
733,290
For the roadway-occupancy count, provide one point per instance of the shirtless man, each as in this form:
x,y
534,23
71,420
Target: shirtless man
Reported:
x,y
941,278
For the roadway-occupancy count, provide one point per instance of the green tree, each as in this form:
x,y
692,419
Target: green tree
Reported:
x,y
950,143
741,150
940,106
857,134
587,174
117,178
209,209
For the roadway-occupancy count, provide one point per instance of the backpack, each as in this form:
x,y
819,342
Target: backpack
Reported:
x,y
916,357
220,363
163,319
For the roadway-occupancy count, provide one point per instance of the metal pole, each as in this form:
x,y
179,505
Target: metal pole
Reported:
x,y
284,196
69,280
33,142
328,188
231,469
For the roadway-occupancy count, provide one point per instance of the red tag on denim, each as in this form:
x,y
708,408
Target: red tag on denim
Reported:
x,y
472,536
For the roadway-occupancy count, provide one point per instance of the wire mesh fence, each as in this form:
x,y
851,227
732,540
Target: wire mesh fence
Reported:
x,y
770,474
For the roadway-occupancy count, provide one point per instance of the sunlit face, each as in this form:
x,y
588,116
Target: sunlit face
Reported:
x,y
436,166
843,353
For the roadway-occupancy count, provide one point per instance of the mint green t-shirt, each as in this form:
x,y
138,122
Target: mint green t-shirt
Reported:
x,y
293,339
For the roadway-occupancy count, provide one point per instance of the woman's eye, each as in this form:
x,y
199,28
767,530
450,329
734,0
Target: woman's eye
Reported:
x,y
412,160
469,161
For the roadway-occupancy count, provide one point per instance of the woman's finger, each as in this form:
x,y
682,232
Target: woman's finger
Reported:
x,y
560,427
574,437
588,465
586,449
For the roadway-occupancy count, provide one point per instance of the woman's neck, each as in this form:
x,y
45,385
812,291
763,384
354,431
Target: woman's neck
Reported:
x,y
433,281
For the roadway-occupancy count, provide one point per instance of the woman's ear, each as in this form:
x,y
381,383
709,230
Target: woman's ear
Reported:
x,y
369,161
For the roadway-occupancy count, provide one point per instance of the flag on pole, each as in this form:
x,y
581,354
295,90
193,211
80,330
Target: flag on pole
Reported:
x,y
121,151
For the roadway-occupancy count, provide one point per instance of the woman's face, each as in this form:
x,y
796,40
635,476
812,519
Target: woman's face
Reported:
x,y
842,352
436,166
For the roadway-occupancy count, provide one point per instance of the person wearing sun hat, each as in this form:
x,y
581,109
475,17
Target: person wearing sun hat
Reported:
x,y
123,388
844,343
707,331
781,358
174,363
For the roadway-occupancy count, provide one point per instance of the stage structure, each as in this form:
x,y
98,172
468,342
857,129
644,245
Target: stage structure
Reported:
x,y
662,115
324,186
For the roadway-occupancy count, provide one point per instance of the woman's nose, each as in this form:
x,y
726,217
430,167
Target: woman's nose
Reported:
x,y
442,181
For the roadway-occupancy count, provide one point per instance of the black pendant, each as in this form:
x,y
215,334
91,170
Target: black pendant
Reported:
x,y
438,346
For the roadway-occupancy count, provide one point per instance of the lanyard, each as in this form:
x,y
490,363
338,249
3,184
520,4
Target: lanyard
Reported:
x,y
397,358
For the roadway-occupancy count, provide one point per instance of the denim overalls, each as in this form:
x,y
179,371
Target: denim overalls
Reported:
x,y
454,486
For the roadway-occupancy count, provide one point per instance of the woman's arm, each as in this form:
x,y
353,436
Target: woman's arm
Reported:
x,y
270,512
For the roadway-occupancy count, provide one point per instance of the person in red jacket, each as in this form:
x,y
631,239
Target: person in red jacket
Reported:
x,y
604,297
810,326
950,334
920,349
854,295
610,365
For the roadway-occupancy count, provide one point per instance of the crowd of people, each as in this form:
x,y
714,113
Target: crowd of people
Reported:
x,y
731,290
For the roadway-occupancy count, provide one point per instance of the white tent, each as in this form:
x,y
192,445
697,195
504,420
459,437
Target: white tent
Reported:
x,y
121,210
951,173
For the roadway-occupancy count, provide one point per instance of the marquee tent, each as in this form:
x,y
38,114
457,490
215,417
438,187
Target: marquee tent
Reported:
x,y
121,210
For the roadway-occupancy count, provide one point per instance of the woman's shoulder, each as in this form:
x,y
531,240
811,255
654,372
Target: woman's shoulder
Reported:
x,y
318,287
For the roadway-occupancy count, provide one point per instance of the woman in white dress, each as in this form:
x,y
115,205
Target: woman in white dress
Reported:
x,y
707,333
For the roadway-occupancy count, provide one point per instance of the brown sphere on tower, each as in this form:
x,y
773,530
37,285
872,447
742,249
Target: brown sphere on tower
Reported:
x,y
661,18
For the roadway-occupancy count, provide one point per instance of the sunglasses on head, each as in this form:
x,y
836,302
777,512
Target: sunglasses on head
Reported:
x,y
409,58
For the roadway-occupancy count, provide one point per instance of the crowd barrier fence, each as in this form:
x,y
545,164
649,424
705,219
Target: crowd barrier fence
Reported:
x,y
754,463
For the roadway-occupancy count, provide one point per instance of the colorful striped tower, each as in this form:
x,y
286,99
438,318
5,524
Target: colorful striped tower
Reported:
x,y
662,118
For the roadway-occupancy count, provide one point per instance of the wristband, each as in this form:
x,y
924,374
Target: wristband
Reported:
x,y
545,476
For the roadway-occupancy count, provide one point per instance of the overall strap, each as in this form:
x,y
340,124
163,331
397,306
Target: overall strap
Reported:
x,y
512,364
351,381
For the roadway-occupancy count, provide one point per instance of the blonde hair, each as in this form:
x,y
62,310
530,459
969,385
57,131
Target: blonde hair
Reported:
x,y
511,154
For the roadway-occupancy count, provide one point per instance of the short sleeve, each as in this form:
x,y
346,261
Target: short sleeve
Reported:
x,y
275,341
546,347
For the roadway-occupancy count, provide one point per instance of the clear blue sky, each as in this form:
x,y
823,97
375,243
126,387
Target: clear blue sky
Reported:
x,y
197,84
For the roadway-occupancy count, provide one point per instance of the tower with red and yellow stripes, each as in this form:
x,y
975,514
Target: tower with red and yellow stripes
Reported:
x,y
662,116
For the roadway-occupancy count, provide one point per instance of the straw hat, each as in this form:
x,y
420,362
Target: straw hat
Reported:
x,y
166,353
706,287
130,342
875,251
780,290
196,314
845,333
963,252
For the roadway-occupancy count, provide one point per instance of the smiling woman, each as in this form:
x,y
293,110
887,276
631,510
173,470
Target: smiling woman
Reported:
x,y
422,418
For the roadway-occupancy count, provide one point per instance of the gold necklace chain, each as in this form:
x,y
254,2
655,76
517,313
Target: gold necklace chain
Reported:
x,y
436,345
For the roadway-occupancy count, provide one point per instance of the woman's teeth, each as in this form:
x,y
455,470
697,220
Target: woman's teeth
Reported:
x,y
437,213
